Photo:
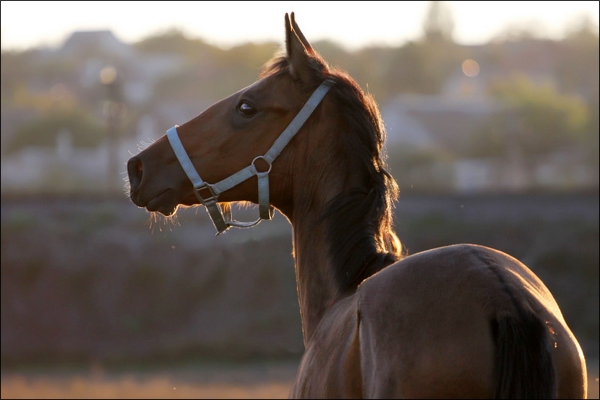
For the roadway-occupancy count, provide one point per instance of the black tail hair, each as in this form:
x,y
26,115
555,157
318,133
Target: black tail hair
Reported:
x,y
524,366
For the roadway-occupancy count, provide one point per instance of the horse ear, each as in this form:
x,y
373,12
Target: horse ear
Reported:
x,y
298,49
300,35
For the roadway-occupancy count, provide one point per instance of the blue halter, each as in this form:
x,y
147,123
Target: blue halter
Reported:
x,y
208,194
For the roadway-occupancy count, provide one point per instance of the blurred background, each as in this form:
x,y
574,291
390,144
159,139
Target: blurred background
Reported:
x,y
491,110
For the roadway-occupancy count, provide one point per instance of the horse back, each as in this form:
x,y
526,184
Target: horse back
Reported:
x,y
464,321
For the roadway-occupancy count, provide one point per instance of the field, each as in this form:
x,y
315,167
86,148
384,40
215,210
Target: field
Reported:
x,y
248,381
242,381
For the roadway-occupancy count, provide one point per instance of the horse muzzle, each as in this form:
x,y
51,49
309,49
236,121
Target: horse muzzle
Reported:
x,y
162,200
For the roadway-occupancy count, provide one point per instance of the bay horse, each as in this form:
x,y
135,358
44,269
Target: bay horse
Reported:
x,y
462,321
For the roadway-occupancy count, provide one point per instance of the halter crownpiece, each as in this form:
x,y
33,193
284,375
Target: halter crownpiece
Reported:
x,y
208,194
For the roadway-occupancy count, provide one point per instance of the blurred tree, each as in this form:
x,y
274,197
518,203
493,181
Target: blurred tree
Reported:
x,y
578,72
335,54
216,74
438,25
537,120
240,66
419,170
368,66
86,131
577,69
424,65
175,41
17,68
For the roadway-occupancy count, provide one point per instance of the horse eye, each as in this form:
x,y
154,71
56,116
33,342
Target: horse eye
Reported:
x,y
246,109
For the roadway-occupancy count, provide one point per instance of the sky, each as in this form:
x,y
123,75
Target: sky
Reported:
x,y
353,24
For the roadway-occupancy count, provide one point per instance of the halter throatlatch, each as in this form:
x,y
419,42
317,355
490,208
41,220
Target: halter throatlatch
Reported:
x,y
208,193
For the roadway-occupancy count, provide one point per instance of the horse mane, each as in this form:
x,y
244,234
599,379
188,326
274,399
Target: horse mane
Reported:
x,y
359,221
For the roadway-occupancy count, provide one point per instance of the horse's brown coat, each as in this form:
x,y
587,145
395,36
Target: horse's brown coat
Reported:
x,y
461,321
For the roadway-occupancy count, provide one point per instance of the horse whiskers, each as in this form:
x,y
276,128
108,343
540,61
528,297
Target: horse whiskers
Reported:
x,y
145,143
126,184
245,204
168,221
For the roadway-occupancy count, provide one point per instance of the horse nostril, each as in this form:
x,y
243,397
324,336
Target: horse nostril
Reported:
x,y
135,172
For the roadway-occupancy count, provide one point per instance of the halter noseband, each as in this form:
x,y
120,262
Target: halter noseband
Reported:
x,y
208,194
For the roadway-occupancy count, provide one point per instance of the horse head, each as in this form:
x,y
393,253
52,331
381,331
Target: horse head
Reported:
x,y
233,135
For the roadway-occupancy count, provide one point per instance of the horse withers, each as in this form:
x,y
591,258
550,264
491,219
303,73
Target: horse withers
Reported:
x,y
462,321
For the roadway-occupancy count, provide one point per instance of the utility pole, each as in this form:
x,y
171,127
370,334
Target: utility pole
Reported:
x,y
113,109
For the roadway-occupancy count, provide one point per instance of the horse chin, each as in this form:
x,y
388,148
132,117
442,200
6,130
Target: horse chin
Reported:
x,y
165,203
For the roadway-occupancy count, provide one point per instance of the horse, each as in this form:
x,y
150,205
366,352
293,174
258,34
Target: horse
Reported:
x,y
461,321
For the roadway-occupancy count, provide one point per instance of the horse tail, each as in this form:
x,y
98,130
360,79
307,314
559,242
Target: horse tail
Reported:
x,y
524,366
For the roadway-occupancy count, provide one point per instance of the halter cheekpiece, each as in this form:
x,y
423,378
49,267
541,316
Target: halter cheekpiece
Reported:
x,y
208,193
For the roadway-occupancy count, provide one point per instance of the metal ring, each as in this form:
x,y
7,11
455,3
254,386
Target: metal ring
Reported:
x,y
265,160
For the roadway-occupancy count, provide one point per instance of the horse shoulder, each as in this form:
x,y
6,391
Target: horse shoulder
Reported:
x,y
330,366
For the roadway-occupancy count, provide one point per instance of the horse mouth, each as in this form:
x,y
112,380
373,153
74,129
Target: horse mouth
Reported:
x,y
164,203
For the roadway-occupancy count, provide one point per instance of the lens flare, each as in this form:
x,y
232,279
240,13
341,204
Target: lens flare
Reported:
x,y
470,68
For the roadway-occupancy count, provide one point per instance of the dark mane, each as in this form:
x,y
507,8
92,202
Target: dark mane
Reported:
x,y
359,221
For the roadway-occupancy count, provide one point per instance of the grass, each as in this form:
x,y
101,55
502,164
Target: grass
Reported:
x,y
249,381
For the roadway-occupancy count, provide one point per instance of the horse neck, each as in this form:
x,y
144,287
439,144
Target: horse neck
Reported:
x,y
314,264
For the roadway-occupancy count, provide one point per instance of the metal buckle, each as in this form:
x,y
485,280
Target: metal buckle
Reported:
x,y
212,198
